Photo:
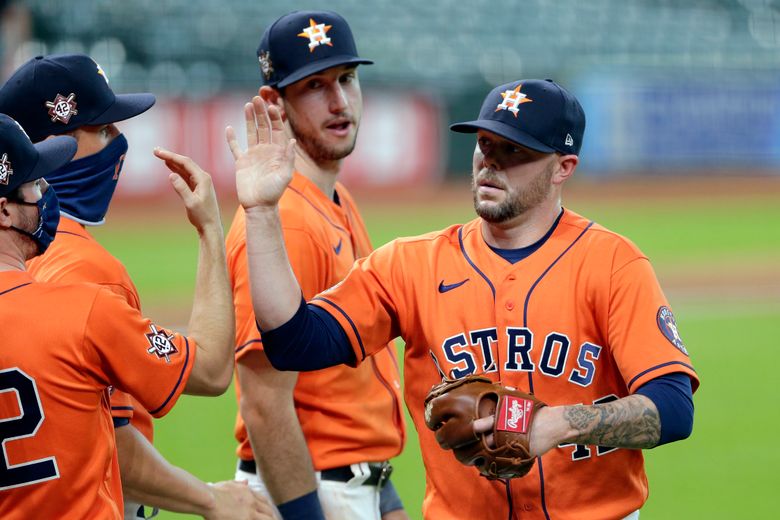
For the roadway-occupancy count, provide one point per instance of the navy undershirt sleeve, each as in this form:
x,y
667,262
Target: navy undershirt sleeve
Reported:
x,y
311,340
673,397
120,421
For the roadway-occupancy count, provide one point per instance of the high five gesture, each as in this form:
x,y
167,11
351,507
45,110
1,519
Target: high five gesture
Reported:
x,y
264,170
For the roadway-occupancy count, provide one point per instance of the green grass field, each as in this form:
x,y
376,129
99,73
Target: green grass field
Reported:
x,y
727,469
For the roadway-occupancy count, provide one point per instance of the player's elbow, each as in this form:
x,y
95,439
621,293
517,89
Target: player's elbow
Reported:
x,y
680,429
211,375
221,378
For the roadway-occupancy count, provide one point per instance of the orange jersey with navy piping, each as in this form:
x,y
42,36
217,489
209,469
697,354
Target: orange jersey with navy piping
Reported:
x,y
581,320
60,355
75,257
347,415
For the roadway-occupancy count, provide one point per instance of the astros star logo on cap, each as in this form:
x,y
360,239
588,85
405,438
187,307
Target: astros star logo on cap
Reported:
x,y
512,100
317,34
62,108
5,170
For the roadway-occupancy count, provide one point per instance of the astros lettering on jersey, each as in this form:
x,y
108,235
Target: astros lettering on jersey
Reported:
x,y
583,319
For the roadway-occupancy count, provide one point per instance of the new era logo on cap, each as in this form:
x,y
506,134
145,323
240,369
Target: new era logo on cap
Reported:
x,y
303,43
538,114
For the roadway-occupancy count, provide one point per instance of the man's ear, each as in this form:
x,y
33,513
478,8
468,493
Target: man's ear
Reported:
x,y
566,166
270,95
5,216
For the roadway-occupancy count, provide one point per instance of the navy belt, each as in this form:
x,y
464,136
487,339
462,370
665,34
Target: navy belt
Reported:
x,y
379,472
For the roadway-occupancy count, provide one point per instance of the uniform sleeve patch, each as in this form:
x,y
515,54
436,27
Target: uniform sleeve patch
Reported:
x,y
160,343
668,326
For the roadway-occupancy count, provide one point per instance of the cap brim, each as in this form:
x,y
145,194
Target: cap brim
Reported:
x,y
53,153
319,66
504,130
124,107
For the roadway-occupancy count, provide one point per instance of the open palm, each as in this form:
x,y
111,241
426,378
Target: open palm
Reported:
x,y
265,169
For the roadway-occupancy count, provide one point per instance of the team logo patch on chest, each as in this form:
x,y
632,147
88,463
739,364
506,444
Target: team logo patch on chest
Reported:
x,y
668,326
514,414
160,343
62,108
5,170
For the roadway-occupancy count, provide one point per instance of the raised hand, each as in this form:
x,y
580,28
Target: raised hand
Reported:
x,y
195,188
265,169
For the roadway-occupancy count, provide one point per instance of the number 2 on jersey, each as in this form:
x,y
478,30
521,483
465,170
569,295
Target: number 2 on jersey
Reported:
x,y
24,425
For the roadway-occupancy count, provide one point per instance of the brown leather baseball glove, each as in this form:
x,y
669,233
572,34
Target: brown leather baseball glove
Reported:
x,y
451,409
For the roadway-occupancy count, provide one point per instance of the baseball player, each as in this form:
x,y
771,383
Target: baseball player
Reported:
x,y
529,293
337,426
61,358
70,94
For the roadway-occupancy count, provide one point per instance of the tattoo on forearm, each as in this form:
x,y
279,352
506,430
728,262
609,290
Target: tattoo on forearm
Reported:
x,y
626,423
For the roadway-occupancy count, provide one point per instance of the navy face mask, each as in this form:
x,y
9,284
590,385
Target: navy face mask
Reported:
x,y
85,186
48,220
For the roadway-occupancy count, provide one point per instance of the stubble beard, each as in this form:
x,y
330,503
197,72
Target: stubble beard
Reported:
x,y
27,245
315,147
516,202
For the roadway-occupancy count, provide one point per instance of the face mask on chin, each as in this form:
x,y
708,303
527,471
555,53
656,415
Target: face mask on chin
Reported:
x,y
48,220
85,186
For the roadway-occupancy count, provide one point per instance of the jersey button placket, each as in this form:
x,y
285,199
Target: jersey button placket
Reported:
x,y
510,303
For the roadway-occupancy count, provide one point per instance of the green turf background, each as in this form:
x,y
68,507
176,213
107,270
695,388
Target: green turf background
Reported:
x,y
727,469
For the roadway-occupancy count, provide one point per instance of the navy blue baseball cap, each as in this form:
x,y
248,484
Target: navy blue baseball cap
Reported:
x,y
538,114
302,43
51,95
22,161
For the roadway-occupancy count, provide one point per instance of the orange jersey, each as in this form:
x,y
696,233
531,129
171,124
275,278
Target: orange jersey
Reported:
x,y
581,320
76,257
347,415
60,355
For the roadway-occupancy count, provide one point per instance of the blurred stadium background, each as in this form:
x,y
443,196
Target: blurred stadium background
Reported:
x,y
681,154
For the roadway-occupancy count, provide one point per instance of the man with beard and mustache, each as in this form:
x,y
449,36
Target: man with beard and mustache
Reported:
x,y
65,346
70,94
530,294
316,443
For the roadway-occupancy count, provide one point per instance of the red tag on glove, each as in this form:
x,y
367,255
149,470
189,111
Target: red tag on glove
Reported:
x,y
514,414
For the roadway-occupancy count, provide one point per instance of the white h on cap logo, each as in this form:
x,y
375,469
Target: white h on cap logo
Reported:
x,y
512,100
317,33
